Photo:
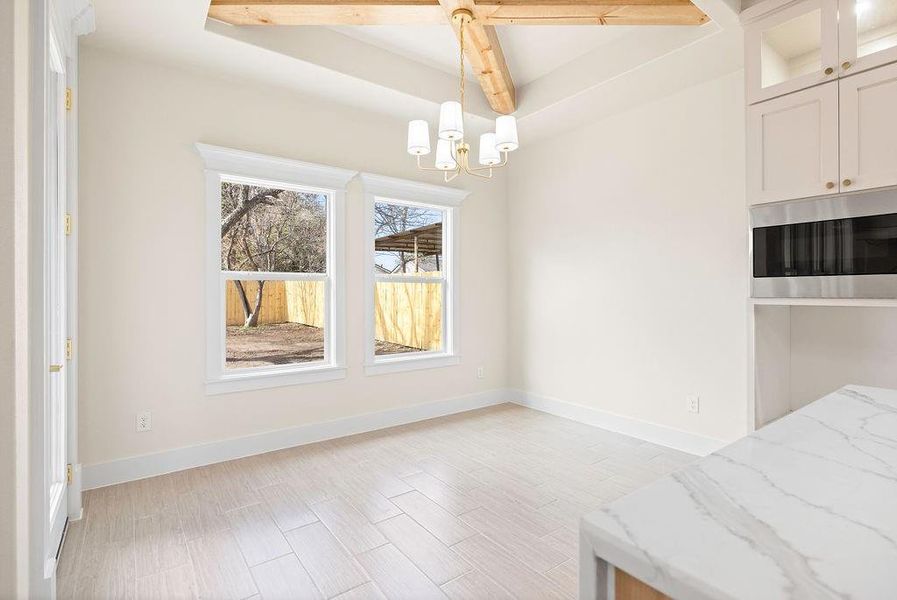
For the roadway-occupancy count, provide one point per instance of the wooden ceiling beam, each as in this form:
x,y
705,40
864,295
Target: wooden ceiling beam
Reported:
x,y
605,12
429,12
483,52
328,12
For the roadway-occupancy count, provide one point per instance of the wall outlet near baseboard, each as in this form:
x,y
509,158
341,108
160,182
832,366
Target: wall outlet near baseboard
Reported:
x,y
481,372
144,420
694,403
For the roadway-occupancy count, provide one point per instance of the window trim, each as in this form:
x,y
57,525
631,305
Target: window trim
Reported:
x,y
448,200
234,165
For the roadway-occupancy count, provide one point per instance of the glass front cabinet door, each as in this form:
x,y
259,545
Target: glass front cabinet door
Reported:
x,y
867,34
792,49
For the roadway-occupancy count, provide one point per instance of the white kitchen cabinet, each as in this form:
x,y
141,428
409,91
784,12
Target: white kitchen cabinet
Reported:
x,y
868,109
867,34
792,147
791,49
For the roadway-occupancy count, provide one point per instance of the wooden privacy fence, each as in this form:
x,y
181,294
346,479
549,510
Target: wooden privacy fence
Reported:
x,y
409,314
282,302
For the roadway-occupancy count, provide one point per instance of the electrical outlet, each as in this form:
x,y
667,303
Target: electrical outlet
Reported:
x,y
481,372
694,403
144,421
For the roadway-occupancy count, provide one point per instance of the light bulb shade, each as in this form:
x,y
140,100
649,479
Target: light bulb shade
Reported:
x,y
506,133
451,121
444,159
488,152
418,138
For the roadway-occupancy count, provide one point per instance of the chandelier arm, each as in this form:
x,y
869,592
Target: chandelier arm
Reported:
x,y
503,163
476,173
423,168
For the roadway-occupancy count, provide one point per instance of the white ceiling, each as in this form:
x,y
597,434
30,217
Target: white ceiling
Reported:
x,y
563,75
530,52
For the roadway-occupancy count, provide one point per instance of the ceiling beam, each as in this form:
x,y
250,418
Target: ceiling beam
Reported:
x,y
488,12
328,12
483,52
600,12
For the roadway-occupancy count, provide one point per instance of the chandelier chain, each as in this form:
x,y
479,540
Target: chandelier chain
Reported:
x,y
461,37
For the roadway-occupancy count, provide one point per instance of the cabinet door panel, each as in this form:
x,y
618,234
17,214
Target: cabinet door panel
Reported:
x,y
791,49
867,34
869,129
793,146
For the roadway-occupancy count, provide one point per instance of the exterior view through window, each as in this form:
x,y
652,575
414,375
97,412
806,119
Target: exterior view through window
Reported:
x,y
409,279
274,266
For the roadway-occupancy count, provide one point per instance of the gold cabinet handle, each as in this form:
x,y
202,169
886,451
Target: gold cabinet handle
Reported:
x,y
845,65
829,185
55,368
846,182
829,70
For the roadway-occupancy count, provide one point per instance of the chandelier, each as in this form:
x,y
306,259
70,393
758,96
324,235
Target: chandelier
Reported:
x,y
452,151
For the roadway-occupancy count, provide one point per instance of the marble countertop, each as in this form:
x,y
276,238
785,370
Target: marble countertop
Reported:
x,y
806,507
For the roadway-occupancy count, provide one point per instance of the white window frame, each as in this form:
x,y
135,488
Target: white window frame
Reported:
x,y
378,188
225,164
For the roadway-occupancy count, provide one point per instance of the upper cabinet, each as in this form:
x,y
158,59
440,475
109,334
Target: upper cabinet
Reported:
x,y
791,45
868,129
867,34
790,49
792,146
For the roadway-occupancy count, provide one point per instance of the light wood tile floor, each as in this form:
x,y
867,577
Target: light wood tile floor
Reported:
x,y
480,505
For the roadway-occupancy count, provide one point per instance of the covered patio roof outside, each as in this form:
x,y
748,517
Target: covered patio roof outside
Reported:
x,y
422,241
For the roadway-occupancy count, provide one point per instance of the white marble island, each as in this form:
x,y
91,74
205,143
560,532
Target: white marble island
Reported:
x,y
806,507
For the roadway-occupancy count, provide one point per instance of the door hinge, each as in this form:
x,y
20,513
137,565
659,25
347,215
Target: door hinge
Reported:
x,y
68,224
68,98
69,349
68,474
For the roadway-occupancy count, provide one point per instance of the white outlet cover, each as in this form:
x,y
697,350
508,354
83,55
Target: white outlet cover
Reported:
x,y
694,404
481,372
144,421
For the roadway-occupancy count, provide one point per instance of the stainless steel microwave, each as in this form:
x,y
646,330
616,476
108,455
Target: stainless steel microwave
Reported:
x,y
836,247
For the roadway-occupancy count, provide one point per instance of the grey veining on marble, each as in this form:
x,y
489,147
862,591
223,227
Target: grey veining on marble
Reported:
x,y
806,507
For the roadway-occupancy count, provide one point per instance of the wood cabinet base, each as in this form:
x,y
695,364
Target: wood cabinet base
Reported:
x,y
627,587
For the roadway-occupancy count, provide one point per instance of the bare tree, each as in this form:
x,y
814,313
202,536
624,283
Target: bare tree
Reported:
x,y
270,230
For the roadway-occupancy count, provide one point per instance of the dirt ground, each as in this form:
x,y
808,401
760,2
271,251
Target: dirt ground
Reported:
x,y
283,344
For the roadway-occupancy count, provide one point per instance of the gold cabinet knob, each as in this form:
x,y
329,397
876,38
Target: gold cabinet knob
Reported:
x,y
846,182
55,368
829,70
829,185
845,65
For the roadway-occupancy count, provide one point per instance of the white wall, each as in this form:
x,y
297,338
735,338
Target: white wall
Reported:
x,y
141,257
628,259
14,65
835,346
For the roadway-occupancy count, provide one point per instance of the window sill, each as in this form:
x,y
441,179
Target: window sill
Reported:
x,y
244,382
397,365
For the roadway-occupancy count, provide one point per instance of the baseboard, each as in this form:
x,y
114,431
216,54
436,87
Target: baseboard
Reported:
x,y
150,465
643,430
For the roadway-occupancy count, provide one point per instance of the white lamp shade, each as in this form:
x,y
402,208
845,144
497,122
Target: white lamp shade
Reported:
x,y
444,159
451,123
418,138
506,133
488,152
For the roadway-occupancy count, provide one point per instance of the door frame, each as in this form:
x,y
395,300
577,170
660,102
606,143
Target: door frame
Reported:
x,y
62,21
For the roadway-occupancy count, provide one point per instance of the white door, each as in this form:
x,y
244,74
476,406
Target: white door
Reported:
x,y
869,129
791,49
55,463
867,34
793,146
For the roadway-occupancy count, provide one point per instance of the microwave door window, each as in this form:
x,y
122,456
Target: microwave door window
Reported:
x,y
854,246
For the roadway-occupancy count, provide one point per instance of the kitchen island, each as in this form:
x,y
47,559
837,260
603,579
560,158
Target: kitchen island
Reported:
x,y
805,507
